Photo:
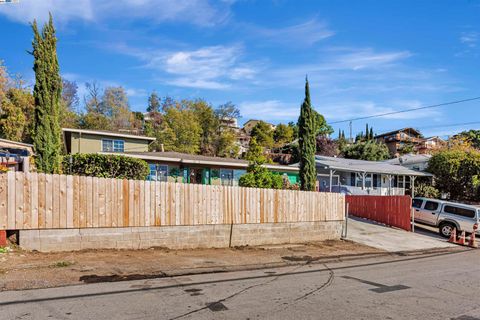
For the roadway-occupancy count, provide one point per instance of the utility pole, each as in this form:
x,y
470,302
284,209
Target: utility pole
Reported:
x,y
351,138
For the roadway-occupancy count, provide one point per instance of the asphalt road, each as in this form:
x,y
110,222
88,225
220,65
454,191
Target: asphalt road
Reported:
x,y
421,286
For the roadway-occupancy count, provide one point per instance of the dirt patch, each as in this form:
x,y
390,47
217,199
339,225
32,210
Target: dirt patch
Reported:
x,y
27,270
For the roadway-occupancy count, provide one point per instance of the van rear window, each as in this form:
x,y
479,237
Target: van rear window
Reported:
x,y
460,211
417,203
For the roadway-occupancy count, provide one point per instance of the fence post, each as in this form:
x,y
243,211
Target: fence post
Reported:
x,y
346,221
3,238
413,220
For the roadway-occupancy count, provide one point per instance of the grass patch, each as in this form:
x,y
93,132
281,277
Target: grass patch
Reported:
x,y
62,264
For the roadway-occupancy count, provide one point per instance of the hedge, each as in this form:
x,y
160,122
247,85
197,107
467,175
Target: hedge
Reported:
x,y
105,166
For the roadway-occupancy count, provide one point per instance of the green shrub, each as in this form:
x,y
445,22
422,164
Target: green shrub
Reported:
x,y
105,166
426,190
261,177
456,172
366,150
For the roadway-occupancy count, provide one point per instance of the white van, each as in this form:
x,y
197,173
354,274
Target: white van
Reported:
x,y
446,215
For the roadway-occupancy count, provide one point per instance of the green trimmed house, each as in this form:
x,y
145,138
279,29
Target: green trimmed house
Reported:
x,y
166,166
190,168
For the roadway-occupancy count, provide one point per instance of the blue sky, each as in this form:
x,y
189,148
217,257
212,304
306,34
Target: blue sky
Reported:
x,y
361,57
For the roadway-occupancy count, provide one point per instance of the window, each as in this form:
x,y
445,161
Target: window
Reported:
x,y
401,182
431,205
153,172
236,176
158,172
118,145
162,173
368,180
109,145
417,203
469,213
227,177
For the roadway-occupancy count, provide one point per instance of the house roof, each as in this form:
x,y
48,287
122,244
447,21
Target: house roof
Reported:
x,y
186,158
435,138
351,165
109,133
410,158
415,131
256,120
15,143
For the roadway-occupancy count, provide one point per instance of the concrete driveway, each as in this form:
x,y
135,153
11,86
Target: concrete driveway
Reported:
x,y
391,239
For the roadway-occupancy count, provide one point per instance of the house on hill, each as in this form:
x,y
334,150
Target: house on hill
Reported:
x,y
250,124
409,140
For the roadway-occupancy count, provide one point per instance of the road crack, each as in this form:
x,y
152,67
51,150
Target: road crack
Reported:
x,y
237,293
325,285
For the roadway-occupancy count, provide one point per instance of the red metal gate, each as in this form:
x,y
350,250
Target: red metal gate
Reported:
x,y
391,210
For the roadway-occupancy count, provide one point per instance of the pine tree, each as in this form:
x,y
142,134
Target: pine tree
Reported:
x,y
153,103
307,143
47,94
371,133
367,132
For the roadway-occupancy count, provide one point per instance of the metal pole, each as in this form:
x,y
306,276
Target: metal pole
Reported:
x,y
331,180
351,138
412,178
413,220
346,221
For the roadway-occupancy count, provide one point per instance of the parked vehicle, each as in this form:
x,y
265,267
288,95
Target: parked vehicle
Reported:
x,y
446,215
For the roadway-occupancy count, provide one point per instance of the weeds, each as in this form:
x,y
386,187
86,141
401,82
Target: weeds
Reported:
x,y
62,264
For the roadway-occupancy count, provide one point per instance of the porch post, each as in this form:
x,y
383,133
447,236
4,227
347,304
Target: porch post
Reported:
x,y
389,177
331,179
412,184
364,175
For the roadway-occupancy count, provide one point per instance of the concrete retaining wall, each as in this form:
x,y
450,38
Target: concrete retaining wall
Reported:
x,y
178,237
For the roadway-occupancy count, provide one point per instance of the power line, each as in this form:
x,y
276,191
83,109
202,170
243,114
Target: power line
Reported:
x,y
450,125
406,110
444,125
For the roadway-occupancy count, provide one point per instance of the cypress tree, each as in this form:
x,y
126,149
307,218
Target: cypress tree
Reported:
x,y
306,134
371,133
367,132
47,94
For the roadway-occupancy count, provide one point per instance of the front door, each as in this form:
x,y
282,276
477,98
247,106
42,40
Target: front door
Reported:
x,y
196,175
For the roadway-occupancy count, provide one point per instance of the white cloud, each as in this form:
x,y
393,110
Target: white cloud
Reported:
x,y
469,38
27,10
363,58
273,110
197,12
213,67
308,33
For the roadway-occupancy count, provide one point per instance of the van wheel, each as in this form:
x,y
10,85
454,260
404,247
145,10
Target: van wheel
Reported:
x,y
446,229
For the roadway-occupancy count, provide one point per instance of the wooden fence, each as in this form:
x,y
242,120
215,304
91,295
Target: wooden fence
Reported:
x,y
44,201
390,210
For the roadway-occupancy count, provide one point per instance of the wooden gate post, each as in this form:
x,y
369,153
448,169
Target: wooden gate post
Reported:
x,y
3,238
